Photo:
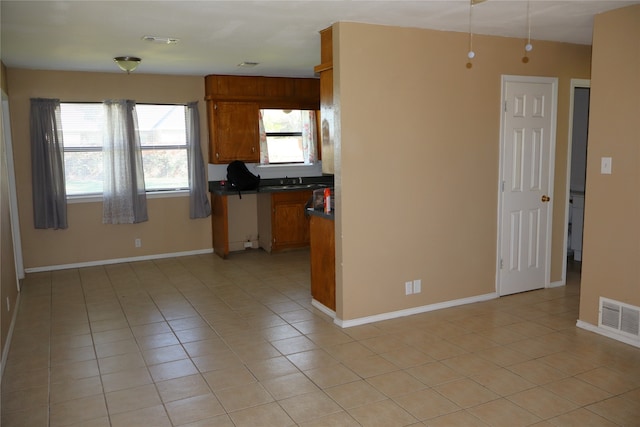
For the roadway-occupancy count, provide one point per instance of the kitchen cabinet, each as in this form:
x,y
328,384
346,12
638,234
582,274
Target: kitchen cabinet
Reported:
x,y
233,104
323,262
282,221
327,126
234,132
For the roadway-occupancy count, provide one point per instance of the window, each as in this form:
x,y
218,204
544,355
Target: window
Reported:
x,y
163,140
284,135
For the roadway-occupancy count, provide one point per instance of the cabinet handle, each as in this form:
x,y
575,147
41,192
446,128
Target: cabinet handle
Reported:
x,y
253,149
217,155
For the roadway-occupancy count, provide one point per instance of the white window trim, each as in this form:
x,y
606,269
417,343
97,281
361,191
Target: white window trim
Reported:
x,y
96,198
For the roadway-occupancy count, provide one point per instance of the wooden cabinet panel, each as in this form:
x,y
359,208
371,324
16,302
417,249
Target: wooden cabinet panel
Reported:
x,y
220,225
326,45
282,222
234,132
323,261
267,92
327,125
289,224
290,228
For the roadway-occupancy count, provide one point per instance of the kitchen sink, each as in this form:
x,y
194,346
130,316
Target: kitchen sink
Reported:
x,y
284,187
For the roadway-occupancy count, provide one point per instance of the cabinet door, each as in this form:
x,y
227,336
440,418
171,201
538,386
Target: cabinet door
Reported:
x,y
234,132
327,125
290,226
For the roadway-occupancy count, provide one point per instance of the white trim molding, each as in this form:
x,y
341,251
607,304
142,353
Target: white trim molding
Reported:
x,y
323,308
414,310
117,261
7,344
607,333
556,284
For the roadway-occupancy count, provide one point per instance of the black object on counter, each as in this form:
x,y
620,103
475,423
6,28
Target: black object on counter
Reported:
x,y
241,178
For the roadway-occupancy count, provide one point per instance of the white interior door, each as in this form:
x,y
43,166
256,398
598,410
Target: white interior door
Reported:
x,y
528,146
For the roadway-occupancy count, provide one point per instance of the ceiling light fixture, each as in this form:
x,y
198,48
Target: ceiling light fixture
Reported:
x,y
127,63
528,47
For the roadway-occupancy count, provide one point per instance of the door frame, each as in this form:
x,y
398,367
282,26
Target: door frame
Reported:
x,y
506,78
13,196
575,83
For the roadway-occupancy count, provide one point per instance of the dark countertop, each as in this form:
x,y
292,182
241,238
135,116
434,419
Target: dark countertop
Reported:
x,y
320,213
277,185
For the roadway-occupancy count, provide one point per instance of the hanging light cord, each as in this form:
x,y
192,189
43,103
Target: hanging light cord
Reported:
x,y
528,24
528,46
471,53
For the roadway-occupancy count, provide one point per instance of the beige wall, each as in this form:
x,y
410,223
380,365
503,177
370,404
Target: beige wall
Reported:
x,y
417,148
611,230
169,228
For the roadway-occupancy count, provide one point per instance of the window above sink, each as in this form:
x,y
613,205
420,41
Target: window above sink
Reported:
x,y
288,136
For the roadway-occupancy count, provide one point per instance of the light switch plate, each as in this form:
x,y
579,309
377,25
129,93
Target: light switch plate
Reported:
x,y
605,166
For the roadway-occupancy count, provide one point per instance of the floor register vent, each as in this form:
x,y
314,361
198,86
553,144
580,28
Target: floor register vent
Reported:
x,y
619,317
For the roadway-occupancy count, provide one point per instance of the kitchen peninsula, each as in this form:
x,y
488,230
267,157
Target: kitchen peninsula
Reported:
x,y
279,204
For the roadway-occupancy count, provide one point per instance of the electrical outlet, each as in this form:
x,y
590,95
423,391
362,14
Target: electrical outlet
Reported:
x,y
417,286
605,165
138,243
408,288
248,245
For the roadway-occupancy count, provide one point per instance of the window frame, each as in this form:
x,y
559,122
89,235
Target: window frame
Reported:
x,y
151,193
284,134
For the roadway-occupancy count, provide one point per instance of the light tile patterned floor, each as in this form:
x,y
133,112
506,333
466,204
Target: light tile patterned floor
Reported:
x,y
198,341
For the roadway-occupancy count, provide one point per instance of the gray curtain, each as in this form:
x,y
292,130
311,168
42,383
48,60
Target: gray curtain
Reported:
x,y
124,196
47,165
199,206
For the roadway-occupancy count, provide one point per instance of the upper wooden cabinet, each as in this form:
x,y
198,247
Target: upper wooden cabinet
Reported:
x,y
327,125
233,131
233,103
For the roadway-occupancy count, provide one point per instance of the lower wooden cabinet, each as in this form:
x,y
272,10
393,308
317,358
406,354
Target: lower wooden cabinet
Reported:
x,y
323,261
282,221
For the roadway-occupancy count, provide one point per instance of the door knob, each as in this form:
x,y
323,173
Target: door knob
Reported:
x,y
545,198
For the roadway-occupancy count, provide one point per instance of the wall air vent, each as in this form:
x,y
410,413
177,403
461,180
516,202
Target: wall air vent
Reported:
x,y
619,317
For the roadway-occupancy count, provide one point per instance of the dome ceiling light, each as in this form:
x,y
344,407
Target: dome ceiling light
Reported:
x,y
127,63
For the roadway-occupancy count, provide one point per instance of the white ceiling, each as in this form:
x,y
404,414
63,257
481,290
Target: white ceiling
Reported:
x,y
282,36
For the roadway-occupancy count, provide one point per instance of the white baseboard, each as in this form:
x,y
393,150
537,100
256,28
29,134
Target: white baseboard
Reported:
x,y
116,261
323,308
556,284
609,334
415,310
7,344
